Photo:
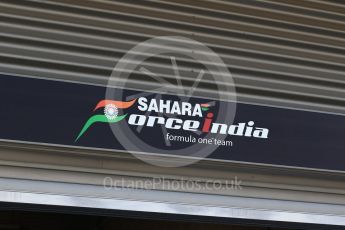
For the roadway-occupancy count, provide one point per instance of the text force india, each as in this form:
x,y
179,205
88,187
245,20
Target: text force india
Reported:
x,y
246,129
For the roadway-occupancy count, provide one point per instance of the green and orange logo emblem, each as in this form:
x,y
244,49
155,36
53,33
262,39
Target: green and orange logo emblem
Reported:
x,y
111,113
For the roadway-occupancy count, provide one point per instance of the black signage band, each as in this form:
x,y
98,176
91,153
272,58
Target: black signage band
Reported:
x,y
46,111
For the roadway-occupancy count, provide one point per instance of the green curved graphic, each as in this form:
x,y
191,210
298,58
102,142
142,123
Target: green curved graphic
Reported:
x,y
98,118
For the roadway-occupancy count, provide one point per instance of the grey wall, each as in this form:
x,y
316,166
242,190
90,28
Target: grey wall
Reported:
x,y
286,53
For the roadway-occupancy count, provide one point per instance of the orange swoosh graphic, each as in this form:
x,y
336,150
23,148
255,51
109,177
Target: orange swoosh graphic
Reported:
x,y
118,104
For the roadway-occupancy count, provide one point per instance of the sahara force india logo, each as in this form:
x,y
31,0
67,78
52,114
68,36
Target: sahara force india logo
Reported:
x,y
169,107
